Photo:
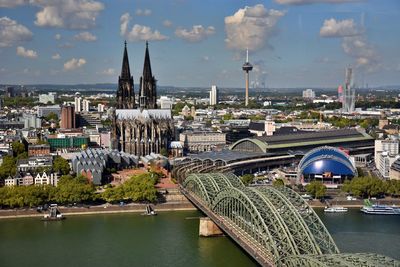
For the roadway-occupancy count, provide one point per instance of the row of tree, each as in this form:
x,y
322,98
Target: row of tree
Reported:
x,y
78,190
367,187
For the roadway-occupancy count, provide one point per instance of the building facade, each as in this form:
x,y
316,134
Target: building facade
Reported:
x,y
202,141
144,130
214,95
68,117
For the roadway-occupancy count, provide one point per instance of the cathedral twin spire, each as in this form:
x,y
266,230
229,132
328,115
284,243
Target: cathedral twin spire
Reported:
x,y
147,91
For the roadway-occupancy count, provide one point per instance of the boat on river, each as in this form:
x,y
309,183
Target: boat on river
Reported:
x,y
377,209
335,209
149,211
54,214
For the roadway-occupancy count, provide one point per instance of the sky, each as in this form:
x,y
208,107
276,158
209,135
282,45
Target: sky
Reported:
x,y
292,43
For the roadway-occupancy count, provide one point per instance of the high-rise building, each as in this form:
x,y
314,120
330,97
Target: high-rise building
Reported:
x,y
349,93
214,95
246,68
78,104
10,91
148,90
100,107
309,93
125,92
67,117
85,105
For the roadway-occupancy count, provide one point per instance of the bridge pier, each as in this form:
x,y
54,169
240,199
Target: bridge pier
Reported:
x,y
208,228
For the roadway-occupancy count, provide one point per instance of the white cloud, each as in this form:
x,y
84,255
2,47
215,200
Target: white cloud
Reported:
x,y
57,36
364,54
251,27
205,58
197,34
143,12
21,51
74,63
11,32
12,3
56,56
138,32
70,14
305,2
85,36
167,23
109,72
338,28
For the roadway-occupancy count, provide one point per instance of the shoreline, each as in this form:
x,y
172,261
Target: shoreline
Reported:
x,y
92,210
163,207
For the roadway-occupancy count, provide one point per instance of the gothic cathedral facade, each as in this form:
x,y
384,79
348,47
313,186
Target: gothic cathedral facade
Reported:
x,y
140,129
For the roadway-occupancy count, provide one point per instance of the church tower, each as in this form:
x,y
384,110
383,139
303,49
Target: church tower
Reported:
x,y
147,92
125,93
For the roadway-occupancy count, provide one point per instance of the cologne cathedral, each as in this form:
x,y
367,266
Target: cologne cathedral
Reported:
x,y
140,129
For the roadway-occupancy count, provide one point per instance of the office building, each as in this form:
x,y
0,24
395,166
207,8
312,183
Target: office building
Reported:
x,y
214,95
85,105
46,110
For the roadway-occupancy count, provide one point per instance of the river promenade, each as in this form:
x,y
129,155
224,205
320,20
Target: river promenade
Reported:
x,y
180,205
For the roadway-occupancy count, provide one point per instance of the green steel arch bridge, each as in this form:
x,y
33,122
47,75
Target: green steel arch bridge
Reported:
x,y
275,225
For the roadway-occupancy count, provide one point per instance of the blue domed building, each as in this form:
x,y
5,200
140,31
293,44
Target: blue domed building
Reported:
x,y
329,165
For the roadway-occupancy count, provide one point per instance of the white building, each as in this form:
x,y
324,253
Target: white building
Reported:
x,y
214,95
166,102
31,121
390,146
46,98
385,162
100,107
85,105
46,110
78,104
269,126
309,93
46,179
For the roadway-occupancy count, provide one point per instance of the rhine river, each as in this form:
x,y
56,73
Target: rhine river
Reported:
x,y
169,239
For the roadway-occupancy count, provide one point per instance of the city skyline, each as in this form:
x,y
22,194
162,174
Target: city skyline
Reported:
x,y
292,43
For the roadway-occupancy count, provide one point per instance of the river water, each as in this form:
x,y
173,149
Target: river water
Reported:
x,y
169,239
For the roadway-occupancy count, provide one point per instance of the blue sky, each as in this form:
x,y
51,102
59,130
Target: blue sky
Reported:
x,y
293,43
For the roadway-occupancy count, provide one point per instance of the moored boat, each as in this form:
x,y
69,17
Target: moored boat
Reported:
x,y
334,209
377,209
54,214
149,211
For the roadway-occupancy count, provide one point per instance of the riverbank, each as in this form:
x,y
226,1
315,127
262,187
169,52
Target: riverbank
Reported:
x,y
102,209
353,203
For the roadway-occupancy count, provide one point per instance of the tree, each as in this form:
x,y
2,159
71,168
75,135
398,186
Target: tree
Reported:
x,y
365,186
8,167
278,182
316,188
61,165
17,148
73,190
247,179
113,194
141,187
